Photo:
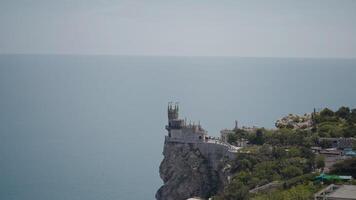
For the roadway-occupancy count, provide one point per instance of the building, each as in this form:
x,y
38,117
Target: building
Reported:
x,y
178,129
224,135
332,156
341,150
337,192
339,143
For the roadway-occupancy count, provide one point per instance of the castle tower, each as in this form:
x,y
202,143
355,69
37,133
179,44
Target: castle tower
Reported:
x,y
172,111
173,117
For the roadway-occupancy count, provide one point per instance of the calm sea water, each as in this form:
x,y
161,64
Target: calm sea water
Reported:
x,y
92,127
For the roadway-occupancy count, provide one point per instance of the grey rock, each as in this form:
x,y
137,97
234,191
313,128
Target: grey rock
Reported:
x,y
187,173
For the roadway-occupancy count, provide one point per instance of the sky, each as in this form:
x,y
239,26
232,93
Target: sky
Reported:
x,y
300,28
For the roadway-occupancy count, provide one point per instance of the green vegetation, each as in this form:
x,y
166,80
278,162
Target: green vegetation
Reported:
x,y
346,167
231,138
327,123
320,161
299,192
284,156
282,164
341,123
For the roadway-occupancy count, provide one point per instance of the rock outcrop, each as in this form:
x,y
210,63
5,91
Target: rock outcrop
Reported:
x,y
295,121
187,173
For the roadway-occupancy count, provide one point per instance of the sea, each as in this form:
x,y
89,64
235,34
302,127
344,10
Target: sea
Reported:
x,y
75,127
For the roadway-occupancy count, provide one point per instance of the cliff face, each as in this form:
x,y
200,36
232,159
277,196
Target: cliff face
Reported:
x,y
186,173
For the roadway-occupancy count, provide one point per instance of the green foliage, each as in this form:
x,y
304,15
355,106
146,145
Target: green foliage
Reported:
x,y
265,150
338,124
257,137
294,152
241,133
291,171
279,152
300,192
320,161
343,112
305,178
353,116
284,155
350,131
231,138
277,163
346,167
266,170
236,190
326,112
330,129
285,137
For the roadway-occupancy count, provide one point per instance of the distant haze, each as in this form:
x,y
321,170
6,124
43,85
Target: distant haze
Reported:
x,y
317,28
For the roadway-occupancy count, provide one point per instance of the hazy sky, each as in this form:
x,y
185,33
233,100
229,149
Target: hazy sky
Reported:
x,y
310,28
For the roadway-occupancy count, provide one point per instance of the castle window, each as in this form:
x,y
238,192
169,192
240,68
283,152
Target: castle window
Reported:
x,y
200,137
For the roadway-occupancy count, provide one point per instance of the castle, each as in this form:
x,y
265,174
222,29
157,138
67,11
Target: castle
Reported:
x,y
179,131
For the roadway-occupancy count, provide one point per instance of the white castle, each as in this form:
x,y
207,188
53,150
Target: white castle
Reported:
x,y
181,132
178,129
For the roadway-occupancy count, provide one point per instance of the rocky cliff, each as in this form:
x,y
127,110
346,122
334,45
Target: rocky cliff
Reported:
x,y
187,172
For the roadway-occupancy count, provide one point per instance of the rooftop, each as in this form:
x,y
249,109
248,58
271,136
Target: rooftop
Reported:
x,y
344,192
337,192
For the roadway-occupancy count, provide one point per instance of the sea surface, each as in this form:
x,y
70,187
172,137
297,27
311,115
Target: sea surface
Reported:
x,y
92,127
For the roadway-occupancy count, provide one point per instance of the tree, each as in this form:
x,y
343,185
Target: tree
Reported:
x,y
245,164
259,137
231,138
350,131
300,192
343,112
291,171
326,115
265,150
320,161
236,191
279,152
346,167
326,112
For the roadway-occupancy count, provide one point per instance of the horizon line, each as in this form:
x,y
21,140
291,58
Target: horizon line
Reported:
x,y
157,55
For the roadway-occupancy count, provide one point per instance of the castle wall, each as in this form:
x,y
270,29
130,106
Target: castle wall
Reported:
x,y
214,152
187,135
195,136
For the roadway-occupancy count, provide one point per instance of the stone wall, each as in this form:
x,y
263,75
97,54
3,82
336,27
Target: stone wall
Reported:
x,y
213,151
187,135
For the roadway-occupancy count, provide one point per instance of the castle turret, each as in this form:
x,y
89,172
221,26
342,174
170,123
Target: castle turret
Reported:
x,y
173,117
173,111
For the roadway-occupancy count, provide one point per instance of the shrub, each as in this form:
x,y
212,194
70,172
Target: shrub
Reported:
x,y
291,171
